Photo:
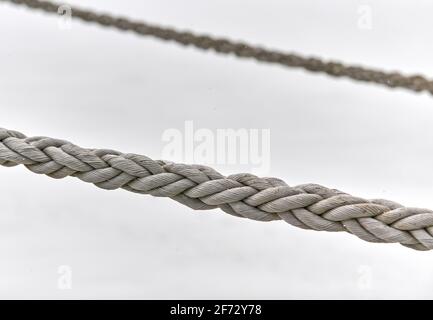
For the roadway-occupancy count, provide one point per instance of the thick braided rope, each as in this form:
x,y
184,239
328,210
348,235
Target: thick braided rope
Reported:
x,y
308,206
390,79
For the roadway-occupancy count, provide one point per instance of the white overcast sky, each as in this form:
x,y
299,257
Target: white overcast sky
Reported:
x,y
102,88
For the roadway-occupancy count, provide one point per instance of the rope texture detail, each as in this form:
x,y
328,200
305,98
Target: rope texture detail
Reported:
x,y
307,206
390,79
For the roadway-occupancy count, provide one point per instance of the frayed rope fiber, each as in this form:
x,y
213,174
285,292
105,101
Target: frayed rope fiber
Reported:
x,y
307,206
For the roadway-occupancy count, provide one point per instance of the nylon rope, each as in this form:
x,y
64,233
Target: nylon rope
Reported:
x,y
307,206
240,49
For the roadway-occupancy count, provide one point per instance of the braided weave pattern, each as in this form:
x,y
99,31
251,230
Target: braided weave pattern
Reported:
x,y
308,206
390,79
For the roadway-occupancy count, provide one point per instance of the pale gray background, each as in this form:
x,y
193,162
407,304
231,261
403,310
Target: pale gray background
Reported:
x,y
102,88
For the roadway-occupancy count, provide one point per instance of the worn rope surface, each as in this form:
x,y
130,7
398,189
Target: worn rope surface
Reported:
x,y
390,79
308,206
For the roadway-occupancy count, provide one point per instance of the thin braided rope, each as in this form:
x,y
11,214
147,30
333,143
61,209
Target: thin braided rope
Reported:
x,y
307,206
390,79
